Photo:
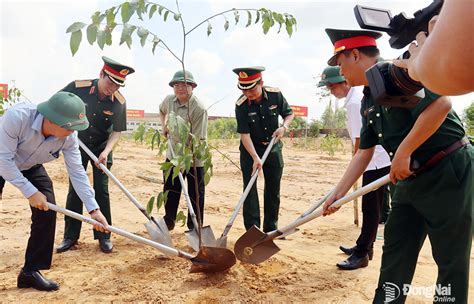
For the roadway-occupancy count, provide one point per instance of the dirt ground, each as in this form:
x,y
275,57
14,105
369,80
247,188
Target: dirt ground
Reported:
x,y
303,271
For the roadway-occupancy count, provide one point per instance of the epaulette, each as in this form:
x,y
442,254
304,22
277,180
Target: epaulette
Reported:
x,y
241,100
119,97
271,89
83,83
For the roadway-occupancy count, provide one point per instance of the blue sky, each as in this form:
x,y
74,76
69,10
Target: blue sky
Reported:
x,y
34,50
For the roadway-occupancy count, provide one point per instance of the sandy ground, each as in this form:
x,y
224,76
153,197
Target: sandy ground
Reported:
x,y
303,271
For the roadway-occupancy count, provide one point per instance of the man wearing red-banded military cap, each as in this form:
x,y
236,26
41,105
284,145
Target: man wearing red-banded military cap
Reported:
x,y
432,169
257,113
106,111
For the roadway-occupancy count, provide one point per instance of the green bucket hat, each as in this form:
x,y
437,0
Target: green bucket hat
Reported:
x,y
66,110
179,77
331,75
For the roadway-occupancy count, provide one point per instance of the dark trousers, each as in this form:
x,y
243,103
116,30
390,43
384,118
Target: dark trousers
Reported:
x,y
385,210
371,205
437,204
174,194
39,251
72,227
272,172
2,185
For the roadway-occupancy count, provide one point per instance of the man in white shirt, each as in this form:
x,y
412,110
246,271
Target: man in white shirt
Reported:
x,y
379,166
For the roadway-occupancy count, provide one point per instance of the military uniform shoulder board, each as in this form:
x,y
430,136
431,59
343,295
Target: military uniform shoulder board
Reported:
x,y
119,97
273,90
83,83
241,100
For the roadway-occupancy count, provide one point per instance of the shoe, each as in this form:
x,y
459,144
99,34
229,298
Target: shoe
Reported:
x,y
65,245
106,245
35,279
350,251
354,262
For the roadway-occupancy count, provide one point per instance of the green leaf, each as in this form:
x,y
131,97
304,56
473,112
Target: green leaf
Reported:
x,y
159,201
249,21
289,27
209,29
141,9
207,178
108,36
152,11
166,166
127,34
92,33
266,24
75,41
76,26
180,217
160,10
110,16
97,18
258,17
156,40
175,171
149,206
236,16
126,12
101,39
226,25
143,34
177,17
165,16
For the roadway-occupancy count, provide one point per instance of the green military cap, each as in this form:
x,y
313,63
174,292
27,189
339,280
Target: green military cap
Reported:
x,y
66,110
331,75
248,77
350,39
179,77
117,72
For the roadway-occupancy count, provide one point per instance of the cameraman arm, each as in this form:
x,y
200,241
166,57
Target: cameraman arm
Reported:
x,y
441,61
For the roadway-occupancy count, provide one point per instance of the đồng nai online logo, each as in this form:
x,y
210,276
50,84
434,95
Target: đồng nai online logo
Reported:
x,y
438,292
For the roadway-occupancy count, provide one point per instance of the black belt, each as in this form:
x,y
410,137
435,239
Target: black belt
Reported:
x,y
433,161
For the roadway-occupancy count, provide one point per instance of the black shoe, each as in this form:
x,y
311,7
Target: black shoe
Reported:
x,y
35,279
106,245
65,245
350,251
354,262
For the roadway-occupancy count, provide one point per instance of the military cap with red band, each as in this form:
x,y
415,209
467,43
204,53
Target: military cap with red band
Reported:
x,y
117,72
350,39
249,76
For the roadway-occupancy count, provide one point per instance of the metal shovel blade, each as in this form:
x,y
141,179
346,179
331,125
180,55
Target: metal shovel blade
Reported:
x,y
252,247
159,233
222,242
212,259
207,237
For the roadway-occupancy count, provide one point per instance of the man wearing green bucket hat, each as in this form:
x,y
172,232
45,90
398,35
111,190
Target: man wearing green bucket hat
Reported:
x,y
185,104
379,166
30,136
106,112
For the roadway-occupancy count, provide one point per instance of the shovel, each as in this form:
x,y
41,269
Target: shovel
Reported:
x,y
156,228
207,260
222,241
199,235
254,246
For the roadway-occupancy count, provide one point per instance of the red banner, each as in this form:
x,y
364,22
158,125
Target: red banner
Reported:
x,y
300,111
135,113
4,90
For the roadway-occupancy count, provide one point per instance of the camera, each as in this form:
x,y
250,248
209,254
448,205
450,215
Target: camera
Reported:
x,y
390,85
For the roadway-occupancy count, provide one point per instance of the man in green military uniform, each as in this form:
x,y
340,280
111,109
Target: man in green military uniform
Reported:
x,y
433,199
257,112
106,111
